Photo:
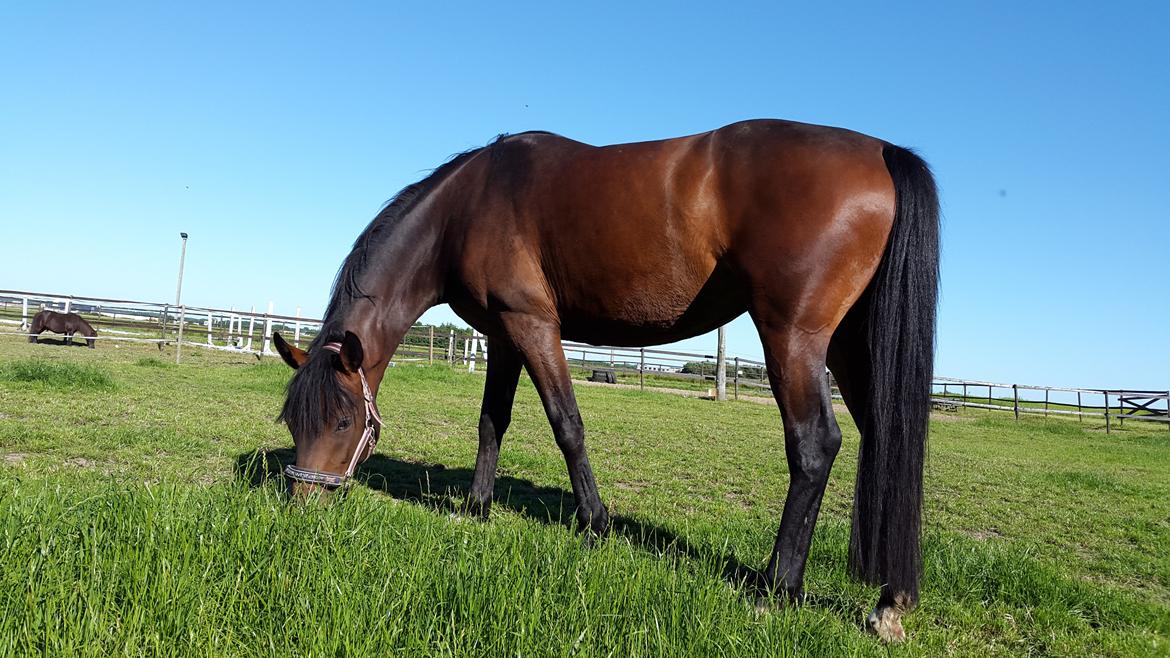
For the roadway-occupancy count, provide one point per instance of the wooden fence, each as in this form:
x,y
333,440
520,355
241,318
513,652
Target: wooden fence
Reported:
x,y
1109,404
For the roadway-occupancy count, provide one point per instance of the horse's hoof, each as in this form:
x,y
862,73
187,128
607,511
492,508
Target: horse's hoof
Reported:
x,y
886,623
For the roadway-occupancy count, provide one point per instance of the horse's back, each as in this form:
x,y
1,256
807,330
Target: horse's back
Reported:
x,y
653,241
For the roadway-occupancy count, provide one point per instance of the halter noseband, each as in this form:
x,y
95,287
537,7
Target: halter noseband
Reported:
x,y
368,442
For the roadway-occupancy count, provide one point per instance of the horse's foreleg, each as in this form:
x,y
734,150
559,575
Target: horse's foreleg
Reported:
x,y
539,343
796,370
499,391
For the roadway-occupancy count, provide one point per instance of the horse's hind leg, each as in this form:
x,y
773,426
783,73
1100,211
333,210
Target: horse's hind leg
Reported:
x,y
539,343
796,369
499,391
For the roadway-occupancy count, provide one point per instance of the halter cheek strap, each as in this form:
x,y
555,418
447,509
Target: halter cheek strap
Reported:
x,y
365,446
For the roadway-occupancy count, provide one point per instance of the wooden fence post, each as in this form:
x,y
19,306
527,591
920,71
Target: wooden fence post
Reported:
x,y
641,368
1045,403
1080,414
1106,394
431,348
209,328
721,365
451,347
24,314
1016,400
736,378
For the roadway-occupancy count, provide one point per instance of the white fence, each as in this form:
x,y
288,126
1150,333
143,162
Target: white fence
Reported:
x,y
250,331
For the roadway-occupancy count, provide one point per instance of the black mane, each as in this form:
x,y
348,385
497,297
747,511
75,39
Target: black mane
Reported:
x,y
345,285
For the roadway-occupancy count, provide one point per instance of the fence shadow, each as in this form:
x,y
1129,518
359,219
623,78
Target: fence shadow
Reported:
x,y
444,489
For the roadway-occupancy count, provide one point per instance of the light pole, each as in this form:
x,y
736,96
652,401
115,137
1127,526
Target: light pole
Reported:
x,y
182,258
179,297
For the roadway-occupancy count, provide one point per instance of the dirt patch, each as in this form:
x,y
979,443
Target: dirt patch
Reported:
x,y
944,417
80,462
14,458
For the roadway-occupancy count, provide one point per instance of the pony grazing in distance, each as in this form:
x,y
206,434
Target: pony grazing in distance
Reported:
x,y
826,237
62,323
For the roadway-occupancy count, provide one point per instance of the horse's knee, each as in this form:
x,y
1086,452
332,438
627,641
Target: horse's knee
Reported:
x,y
571,437
817,448
493,425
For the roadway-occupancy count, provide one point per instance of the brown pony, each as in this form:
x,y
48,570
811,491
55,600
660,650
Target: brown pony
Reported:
x,y
62,323
826,237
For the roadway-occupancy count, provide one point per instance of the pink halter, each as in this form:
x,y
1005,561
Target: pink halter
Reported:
x,y
365,446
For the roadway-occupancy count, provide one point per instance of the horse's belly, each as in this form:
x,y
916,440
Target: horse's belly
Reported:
x,y
635,309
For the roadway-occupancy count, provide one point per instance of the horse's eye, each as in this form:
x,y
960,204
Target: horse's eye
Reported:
x,y
342,424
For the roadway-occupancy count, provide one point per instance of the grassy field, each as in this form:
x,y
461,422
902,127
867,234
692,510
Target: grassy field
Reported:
x,y
140,514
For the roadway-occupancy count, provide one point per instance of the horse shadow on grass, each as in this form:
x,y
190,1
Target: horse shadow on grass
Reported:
x,y
78,341
444,489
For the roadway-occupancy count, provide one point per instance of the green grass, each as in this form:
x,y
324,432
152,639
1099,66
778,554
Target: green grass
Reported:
x,y
143,517
152,362
51,374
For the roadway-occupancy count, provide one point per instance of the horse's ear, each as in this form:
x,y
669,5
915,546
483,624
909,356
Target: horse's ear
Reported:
x,y
351,354
294,356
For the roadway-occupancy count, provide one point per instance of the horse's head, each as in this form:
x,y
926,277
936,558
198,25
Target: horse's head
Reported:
x,y
330,412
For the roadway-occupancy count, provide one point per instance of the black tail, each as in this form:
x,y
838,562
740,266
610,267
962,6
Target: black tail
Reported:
x,y
887,509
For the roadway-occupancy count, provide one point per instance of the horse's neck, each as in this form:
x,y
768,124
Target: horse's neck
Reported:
x,y
403,278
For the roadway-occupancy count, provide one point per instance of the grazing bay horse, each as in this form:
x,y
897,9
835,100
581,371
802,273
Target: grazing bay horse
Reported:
x,y
62,323
827,238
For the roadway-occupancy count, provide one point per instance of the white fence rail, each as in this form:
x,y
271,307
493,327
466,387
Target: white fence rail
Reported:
x,y
250,331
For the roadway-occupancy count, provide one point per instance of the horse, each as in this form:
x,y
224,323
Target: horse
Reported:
x,y
826,237
62,323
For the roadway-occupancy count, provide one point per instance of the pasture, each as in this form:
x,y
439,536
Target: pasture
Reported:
x,y
140,514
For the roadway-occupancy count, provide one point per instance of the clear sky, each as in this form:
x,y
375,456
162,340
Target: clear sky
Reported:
x,y
272,134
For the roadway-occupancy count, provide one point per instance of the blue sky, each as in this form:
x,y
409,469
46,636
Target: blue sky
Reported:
x,y
272,134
